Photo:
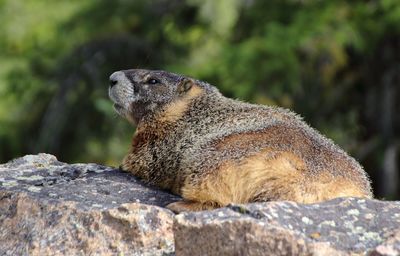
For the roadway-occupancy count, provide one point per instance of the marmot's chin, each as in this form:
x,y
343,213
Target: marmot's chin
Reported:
x,y
119,109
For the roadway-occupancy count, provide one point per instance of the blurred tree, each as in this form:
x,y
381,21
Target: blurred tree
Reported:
x,y
334,62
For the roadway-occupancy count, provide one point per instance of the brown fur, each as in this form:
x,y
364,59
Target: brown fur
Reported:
x,y
214,151
175,110
259,178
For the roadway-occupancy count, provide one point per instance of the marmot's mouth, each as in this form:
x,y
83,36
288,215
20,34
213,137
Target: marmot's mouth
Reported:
x,y
118,107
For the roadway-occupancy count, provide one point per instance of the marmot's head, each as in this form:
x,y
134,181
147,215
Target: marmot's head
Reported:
x,y
138,92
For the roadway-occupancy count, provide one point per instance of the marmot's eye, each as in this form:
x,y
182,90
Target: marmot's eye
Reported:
x,y
153,81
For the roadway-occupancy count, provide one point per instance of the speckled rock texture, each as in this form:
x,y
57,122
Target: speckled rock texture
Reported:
x,y
338,227
51,208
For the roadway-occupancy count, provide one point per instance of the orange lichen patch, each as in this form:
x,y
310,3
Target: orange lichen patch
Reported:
x,y
173,111
257,178
315,235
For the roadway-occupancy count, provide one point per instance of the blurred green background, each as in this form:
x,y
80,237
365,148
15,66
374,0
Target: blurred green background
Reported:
x,y
337,63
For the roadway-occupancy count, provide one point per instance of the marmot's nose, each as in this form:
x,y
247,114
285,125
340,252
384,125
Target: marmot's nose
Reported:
x,y
115,78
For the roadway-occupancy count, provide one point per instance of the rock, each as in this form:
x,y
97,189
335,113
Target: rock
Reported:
x,y
343,226
389,248
52,208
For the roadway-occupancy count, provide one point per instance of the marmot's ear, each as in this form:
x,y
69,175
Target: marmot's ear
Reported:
x,y
185,85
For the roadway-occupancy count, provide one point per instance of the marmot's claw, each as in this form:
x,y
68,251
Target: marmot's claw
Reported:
x,y
180,206
190,206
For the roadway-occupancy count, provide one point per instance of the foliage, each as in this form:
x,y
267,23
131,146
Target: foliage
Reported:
x,y
334,62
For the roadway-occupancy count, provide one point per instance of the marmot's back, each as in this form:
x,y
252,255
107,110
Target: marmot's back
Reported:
x,y
214,151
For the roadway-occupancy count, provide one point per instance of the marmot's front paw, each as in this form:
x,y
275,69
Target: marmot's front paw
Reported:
x,y
190,206
180,206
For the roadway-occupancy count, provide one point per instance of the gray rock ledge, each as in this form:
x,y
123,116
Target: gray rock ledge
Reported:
x,y
343,226
52,208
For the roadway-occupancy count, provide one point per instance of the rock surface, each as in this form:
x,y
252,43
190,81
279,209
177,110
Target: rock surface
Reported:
x,y
337,227
51,208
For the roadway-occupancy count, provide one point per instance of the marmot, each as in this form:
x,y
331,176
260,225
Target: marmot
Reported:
x,y
214,150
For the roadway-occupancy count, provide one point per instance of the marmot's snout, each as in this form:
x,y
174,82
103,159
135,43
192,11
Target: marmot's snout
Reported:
x,y
121,92
115,77
121,89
